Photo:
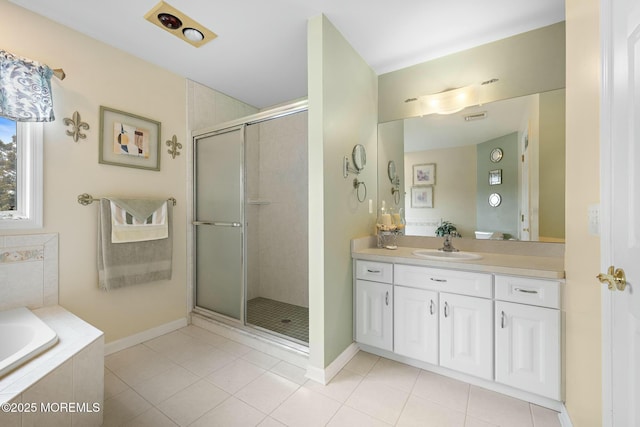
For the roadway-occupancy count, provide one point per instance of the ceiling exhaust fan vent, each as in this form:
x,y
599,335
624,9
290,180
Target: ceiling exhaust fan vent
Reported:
x,y
476,116
180,25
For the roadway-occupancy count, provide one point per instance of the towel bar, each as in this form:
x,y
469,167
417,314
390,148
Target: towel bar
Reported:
x,y
86,199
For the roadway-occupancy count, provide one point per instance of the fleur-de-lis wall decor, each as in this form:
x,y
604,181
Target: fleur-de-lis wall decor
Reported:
x,y
76,126
175,146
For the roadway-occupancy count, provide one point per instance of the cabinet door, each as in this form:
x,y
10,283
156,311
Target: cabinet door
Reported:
x,y
374,314
466,334
528,348
415,323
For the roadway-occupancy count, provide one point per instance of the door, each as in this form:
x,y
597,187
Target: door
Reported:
x,y
528,348
415,323
218,224
466,334
620,198
374,309
525,183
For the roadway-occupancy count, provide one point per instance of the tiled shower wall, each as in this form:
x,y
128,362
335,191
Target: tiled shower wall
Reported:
x,y
28,271
278,245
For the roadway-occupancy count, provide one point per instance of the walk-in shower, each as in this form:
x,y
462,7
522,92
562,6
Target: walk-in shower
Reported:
x,y
250,223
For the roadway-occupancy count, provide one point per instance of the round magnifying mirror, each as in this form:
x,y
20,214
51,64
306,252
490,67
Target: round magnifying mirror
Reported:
x,y
391,170
359,157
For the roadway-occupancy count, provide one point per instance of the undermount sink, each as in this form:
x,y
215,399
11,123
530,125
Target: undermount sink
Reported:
x,y
445,256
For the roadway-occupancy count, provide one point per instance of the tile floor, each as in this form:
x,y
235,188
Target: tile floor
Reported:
x,y
192,377
281,317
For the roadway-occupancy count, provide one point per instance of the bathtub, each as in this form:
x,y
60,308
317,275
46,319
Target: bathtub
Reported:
x,y
22,337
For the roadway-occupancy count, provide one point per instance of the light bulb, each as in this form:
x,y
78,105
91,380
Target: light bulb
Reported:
x,y
193,34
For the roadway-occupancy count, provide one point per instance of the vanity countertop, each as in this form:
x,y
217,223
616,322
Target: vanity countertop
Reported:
x,y
520,265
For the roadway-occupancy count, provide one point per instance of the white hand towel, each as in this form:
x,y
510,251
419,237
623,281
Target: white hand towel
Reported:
x,y
129,225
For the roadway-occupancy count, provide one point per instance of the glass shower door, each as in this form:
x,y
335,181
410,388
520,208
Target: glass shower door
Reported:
x,y
219,222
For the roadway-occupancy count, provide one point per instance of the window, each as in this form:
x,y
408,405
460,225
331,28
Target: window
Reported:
x,y
20,174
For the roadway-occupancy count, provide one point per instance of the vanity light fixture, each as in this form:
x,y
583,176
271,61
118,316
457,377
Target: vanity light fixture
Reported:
x,y
180,25
450,101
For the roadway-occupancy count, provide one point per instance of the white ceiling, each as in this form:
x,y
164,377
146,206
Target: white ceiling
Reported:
x,y
260,54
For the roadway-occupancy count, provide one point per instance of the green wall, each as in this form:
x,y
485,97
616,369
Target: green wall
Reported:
x,y
343,99
503,218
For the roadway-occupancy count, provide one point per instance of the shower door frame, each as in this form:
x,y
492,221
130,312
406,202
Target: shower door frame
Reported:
x,y
242,123
195,222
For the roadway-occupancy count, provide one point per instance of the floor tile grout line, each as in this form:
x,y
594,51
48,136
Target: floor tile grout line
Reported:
x,y
466,410
533,420
402,410
212,409
141,397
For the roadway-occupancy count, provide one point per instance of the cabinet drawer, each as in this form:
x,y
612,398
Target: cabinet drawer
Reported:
x,y
375,271
544,293
453,281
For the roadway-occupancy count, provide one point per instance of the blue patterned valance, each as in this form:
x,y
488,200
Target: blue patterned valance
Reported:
x,y
25,89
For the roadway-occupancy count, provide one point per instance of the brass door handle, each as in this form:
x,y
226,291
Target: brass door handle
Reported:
x,y
615,278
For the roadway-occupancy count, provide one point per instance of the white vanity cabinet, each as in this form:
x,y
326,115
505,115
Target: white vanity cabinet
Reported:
x,y
374,304
499,329
415,323
459,337
527,334
466,334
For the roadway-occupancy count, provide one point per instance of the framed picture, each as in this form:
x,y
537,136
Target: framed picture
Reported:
x,y
495,177
422,197
424,174
129,140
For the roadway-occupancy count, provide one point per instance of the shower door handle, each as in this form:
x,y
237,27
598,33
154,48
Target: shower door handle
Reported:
x,y
218,223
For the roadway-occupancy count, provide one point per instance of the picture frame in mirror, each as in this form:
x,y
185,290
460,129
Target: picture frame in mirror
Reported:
x,y
424,174
422,196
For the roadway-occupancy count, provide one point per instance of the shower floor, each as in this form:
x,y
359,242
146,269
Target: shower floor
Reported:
x,y
286,319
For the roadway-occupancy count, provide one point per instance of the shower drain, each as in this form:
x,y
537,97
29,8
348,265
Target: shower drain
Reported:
x,y
286,321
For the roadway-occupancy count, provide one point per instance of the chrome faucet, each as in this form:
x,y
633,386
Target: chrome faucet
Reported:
x,y
448,244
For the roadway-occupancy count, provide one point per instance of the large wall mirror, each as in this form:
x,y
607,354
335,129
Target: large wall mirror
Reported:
x,y
512,147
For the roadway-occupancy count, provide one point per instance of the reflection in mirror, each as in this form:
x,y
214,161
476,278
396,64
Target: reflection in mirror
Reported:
x,y
494,200
530,133
359,156
391,171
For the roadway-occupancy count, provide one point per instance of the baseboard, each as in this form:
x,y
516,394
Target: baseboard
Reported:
x,y
143,336
323,376
565,421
